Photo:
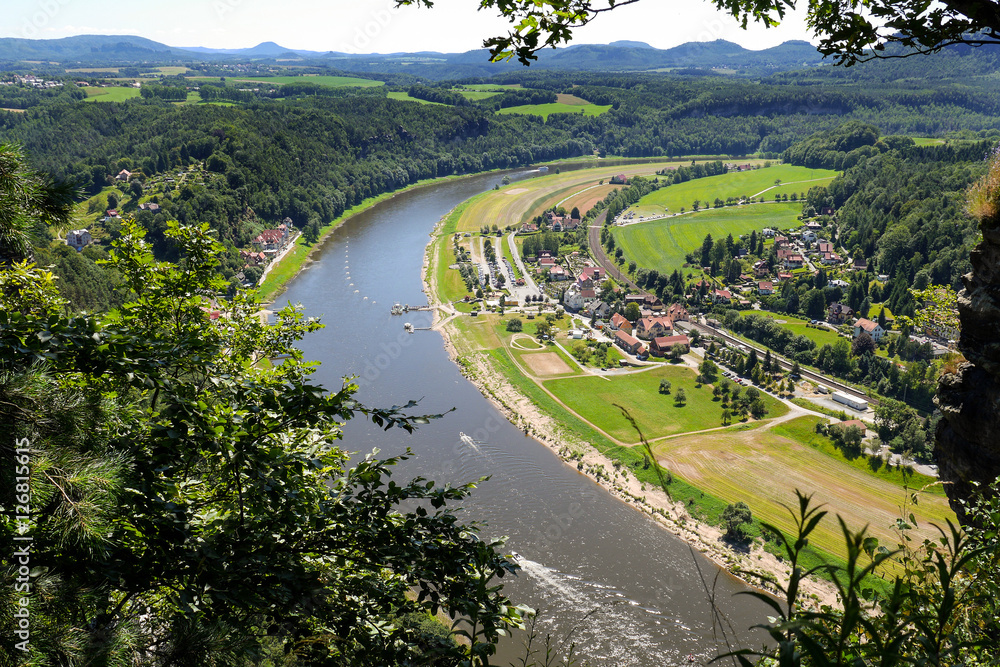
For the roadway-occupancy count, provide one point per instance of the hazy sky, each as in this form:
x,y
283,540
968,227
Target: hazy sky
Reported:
x,y
363,26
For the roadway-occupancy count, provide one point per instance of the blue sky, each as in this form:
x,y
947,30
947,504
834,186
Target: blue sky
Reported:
x,y
363,26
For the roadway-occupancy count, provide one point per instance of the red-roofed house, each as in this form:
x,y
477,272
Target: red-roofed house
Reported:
x,y
677,313
722,296
857,423
765,287
661,346
618,322
871,328
627,342
648,328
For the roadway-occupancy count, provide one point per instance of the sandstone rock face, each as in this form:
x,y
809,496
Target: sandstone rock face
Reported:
x,y
968,435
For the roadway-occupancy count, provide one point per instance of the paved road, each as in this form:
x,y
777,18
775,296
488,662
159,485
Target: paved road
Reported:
x,y
530,288
597,252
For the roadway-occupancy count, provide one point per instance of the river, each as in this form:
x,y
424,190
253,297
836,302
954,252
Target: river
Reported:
x,y
601,573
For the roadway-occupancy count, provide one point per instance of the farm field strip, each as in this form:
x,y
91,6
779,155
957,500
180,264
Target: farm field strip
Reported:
x,y
404,96
507,205
116,94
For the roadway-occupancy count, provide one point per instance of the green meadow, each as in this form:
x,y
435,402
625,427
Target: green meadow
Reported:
x,y
734,184
593,398
98,94
545,110
663,244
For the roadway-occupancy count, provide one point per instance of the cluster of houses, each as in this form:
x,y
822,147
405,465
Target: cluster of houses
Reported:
x,y
653,333
31,80
555,222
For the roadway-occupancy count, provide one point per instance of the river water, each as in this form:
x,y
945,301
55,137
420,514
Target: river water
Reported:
x,y
603,575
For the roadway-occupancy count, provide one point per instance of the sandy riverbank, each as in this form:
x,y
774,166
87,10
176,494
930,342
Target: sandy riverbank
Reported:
x,y
526,416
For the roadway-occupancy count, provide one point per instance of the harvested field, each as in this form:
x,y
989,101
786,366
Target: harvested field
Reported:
x,y
546,363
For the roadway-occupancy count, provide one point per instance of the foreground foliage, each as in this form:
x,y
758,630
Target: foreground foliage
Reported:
x,y
190,504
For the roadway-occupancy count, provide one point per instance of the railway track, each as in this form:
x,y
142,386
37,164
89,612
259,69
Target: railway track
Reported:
x,y
782,362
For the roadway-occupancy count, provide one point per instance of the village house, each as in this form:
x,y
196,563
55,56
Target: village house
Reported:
x,y
838,313
627,342
648,328
619,179
123,175
721,296
149,207
618,322
576,297
558,273
78,238
599,309
761,270
662,345
644,301
528,228
765,287
592,273
677,313
784,276
809,235
111,213
859,264
794,261
253,258
871,328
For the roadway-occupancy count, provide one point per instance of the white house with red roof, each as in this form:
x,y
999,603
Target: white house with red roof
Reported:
x,y
871,328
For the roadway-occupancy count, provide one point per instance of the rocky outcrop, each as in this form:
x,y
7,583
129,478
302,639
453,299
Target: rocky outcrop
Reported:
x,y
968,435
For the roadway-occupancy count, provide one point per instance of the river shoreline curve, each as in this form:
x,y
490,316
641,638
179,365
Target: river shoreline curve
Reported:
x,y
755,567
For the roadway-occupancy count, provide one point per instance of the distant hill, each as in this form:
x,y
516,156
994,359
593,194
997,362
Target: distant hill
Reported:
x,y
798,60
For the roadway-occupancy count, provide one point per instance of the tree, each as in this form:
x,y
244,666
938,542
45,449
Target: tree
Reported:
x,y
632,312
27,197
177,466
543,328
851,31
680,398
665,386
677,350
575,213
514,324
737,519
709,372
863,344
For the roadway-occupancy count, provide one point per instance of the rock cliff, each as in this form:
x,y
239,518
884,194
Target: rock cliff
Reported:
x,y
968,435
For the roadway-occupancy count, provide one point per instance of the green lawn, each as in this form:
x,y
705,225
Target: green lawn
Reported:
x,y
404,96
798,327
734,184
593,398
478,94
663,244
98,94
545,110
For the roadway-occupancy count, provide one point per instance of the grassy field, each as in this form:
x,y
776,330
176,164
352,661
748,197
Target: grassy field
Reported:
x,y
545,110
593,397
764,467
478,94
798,327
171,70
734,184
663,244
98,94
404,96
